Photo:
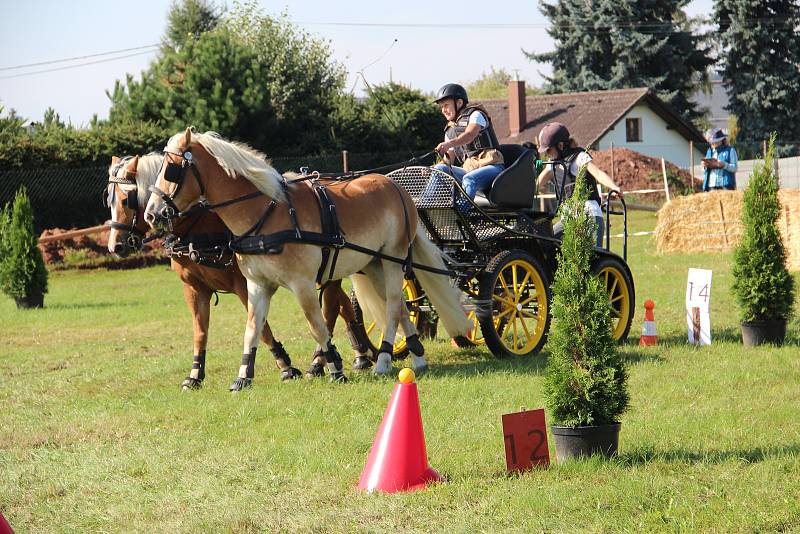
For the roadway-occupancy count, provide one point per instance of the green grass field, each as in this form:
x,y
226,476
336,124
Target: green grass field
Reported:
x,y
96,435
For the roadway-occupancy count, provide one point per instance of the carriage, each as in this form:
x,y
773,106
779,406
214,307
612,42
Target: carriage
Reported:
x,y
503,255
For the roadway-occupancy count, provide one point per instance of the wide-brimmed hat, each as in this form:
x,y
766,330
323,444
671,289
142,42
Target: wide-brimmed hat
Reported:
x,y
552,134
715,135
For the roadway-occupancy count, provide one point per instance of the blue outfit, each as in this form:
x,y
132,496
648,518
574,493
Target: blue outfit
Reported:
x,y
472,181
724,178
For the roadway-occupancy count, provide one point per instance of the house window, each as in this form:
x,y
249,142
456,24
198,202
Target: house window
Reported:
x,y
633,130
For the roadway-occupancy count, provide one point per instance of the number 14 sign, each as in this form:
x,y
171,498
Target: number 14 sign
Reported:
x,y
525,436
698,297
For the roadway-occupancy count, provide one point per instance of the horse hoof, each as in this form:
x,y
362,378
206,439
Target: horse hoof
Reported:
x,y
384,364
361,363
338,377
315,371
290,373
240,383
191,383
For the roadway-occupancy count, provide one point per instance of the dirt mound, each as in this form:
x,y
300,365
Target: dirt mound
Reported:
x,y
634,171
91,251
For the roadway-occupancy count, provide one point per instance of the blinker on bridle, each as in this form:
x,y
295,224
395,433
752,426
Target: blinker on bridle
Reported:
x,y
176,173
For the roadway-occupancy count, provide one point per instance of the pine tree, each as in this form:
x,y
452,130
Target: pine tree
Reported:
x,y
617,44
586,380
22,270
760,62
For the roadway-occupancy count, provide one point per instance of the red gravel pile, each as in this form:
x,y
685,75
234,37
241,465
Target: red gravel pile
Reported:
x,y
634,171
91,251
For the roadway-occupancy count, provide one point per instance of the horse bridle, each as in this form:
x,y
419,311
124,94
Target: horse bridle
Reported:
x,y
176,174
135,236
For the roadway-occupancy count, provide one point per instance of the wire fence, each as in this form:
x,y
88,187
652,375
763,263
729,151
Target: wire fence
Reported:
x,y
72,198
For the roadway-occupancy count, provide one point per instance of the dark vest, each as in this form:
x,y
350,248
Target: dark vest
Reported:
x,y
569,156
486,139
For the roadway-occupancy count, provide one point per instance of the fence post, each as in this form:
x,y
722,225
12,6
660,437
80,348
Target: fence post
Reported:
x,y
691,162
666,183
612,162
345,162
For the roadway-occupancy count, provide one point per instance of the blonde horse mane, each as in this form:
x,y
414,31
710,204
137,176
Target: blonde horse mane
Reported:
x,y
239,159
146,173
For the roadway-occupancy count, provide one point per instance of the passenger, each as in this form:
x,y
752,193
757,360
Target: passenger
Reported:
x,y
470,145
556,143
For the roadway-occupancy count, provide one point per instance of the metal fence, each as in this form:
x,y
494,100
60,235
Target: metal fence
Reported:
x,y
69,198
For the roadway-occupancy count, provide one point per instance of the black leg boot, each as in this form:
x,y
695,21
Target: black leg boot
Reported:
x,y
334,364
250,361
284,363
198,363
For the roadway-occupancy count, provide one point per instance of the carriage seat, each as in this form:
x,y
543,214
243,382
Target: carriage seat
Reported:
x,y
516,185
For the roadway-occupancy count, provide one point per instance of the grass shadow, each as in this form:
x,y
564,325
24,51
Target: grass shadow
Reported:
x,y
687,456
472,362
85,305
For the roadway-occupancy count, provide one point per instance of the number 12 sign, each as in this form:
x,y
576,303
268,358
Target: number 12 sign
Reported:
x,y
525,437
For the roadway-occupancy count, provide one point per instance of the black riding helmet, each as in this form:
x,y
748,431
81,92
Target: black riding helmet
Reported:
x,y
451,90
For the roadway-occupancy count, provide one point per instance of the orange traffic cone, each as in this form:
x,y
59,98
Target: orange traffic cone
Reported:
x,y
649,328
5,528
398,461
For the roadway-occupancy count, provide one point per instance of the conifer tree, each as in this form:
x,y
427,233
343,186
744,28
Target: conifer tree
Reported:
x,y
618,44
760,63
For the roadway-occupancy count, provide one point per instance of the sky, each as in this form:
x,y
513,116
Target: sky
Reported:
x,y
381,39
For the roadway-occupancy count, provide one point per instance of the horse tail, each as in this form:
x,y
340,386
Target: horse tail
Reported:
x,y
444,297
370,300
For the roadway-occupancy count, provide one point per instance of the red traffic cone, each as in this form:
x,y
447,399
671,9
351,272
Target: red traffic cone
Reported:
x,y
5,528
398,461
649,327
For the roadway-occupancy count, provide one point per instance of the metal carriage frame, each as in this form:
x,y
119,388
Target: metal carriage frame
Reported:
x,y
502,253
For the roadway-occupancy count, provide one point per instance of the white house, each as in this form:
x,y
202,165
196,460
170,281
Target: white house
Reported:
x,y
631,118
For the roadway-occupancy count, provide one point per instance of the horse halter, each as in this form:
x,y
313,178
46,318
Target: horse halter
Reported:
x,y
135,236
176,174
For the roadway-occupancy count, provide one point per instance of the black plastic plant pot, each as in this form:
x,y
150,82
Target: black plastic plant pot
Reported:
x,y
31,301
756,333
584,441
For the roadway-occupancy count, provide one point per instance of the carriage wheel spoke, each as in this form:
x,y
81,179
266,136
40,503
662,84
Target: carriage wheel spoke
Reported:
x,y
504,284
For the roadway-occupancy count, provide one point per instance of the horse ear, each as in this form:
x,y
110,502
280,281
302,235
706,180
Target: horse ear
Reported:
x,y
133,164
114,160
188,136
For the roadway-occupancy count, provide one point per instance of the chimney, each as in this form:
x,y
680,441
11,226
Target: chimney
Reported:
x,y
516,107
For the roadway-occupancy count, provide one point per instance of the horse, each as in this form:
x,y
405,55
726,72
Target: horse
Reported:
x,y
207,270
373,232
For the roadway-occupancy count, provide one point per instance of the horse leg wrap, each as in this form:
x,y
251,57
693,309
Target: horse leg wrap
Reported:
x,y
334,363
248,360
358,337
199,364
386,347
284,362
414,345
317,368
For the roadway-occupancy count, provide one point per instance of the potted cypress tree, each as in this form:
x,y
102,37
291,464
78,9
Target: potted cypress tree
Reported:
x,y
762,285
586,381
23,275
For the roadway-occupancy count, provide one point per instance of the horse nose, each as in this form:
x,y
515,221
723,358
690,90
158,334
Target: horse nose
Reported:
x,y
150,218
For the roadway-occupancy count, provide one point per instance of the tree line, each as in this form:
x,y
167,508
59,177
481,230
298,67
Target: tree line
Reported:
x,y
264,80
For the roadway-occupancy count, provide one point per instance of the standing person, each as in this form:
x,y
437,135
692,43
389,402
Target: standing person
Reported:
x,y
556,143
470,145
720,162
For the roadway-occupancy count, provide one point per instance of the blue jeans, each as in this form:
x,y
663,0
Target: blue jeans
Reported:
x,y
472,181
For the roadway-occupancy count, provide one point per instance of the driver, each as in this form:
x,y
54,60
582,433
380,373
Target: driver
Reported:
x,y
556,142
470,145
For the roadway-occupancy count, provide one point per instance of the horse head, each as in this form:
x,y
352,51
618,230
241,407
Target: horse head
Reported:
x,y
122,198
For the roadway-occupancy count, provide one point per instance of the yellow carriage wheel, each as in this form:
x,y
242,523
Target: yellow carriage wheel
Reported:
x,y
615,279
516,288
411,292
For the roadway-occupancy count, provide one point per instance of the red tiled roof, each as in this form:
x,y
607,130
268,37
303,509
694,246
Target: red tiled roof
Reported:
x,y
588,116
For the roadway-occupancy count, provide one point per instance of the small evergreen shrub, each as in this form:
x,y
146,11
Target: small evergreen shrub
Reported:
x,y
586,380
22,270
762,285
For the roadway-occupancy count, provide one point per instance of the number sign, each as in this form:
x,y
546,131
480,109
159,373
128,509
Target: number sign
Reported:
x,y
525,437
698,297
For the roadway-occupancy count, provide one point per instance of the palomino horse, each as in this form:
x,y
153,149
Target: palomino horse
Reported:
x,y
193,242
279,239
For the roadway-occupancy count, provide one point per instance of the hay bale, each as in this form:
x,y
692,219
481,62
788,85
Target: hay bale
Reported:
x,y
712,222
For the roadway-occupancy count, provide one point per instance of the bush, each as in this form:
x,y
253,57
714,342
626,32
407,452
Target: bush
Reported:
x,y
762,285
22,270
586,381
